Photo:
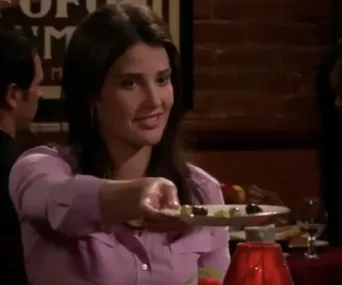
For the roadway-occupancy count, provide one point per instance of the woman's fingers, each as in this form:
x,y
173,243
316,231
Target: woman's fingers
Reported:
x,y
158,195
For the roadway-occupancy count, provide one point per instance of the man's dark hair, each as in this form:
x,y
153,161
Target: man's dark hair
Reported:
x,y
16,59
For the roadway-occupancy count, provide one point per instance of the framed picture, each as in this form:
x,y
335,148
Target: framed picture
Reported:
x,y
53,23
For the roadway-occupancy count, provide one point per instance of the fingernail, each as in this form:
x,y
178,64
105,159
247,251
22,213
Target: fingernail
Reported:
x,y
174,205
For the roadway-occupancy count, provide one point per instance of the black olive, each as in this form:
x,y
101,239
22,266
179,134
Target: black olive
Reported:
x,y
253,209
199,211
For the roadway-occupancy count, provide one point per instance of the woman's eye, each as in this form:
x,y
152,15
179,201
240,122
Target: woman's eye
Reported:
x,y
128,84
163,80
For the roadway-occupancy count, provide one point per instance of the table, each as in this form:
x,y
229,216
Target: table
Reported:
x,y
327,270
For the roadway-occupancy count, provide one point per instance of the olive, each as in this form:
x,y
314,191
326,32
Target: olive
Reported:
x,y
186,210
253,209
199,211
234,212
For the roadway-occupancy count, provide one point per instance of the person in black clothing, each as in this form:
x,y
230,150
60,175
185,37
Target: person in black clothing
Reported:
x,y
329,95
20,77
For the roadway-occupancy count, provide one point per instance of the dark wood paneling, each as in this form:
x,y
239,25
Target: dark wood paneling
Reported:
x,y
229,133
292,173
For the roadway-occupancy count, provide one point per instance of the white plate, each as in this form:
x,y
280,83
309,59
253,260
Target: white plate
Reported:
x,y
240,221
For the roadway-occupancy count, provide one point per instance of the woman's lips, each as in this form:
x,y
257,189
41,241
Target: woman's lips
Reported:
x,y
148,122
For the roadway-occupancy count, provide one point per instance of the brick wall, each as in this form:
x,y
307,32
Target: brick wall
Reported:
x,y
255,59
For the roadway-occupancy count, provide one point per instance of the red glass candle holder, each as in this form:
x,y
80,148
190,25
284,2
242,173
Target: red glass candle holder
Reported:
x,y
258,264
208,281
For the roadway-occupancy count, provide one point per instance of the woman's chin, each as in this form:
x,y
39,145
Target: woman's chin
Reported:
x,y
150,137
146,139
150,141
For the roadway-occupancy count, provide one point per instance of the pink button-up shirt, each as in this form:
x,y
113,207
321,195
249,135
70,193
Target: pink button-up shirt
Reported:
x,y
66,242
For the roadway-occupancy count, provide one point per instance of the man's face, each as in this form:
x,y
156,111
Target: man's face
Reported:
x,y
26,104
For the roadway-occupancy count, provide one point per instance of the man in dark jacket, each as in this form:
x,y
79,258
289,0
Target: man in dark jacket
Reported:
x,y
20,77
329,94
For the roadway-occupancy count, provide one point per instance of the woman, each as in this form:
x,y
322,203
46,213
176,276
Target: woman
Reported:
x,y
122,96
329,94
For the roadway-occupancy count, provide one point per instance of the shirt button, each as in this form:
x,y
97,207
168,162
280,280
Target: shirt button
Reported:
x,y
144,266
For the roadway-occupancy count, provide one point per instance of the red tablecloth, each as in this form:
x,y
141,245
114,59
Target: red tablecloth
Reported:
x,y
327,270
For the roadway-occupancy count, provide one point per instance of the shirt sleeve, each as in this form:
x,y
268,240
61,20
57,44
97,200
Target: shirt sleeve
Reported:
x,y
44,189
218,259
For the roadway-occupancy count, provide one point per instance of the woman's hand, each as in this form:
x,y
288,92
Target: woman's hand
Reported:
x,y
142,199
159,194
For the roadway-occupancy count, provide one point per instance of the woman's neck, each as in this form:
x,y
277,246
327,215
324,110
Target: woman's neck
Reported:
x,y
129,162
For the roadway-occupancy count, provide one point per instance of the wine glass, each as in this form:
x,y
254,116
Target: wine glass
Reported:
x,y
311,219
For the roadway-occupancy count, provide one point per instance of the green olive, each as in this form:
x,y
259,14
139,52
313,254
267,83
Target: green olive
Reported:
x,y
221,214
186,210
234,212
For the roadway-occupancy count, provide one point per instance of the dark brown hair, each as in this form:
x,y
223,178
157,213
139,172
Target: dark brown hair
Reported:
x,y
16,60
96,44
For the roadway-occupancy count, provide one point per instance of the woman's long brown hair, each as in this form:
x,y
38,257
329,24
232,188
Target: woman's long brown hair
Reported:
x,y
95,46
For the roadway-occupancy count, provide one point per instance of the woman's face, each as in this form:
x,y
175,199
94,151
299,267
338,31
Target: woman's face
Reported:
x,y
137,96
